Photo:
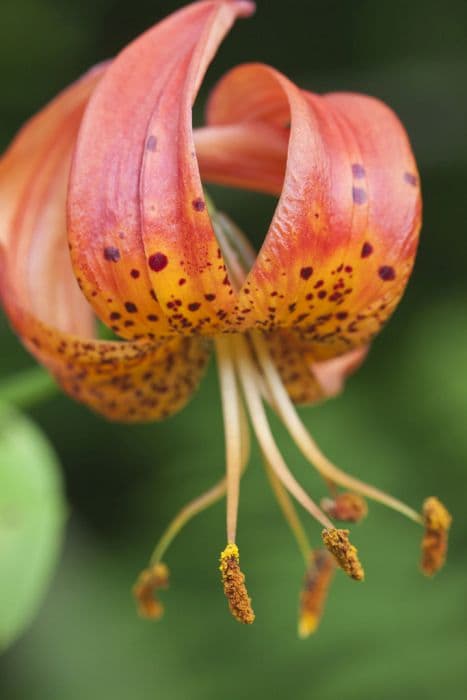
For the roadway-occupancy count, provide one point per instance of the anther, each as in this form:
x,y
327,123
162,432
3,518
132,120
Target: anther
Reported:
x,y
337,542
149,581
348,506
437,521
315,590
234,585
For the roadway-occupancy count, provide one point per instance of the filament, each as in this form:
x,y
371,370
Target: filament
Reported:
x,y
248,377
308,446
205,500
197,505
289,512
232,428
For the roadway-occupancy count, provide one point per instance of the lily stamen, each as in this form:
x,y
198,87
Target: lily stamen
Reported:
x,y
247,374
308,446
232,428
320,570
289,512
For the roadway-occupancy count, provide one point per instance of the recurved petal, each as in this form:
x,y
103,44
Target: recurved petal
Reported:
x,y
33,179
249,156
342,242
306,380
124,381
135,186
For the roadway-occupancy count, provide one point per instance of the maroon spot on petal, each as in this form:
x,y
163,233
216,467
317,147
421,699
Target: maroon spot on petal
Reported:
x,y
114,316
322,294
306,272
367,250
387,273
182,281
135,274
128,324
411,179
152,317
151,143
157,261
198,204
319,284
194,307
341,315
111,253
130,307
209,297
358,171
359,195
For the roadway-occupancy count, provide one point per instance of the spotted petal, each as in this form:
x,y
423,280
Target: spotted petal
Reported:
x,y
125,381
308,381
136,200
342,242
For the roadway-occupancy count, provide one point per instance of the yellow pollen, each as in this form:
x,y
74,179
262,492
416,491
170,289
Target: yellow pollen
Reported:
x,y
149,581
337,542
234,585
437,521
315,590
348,506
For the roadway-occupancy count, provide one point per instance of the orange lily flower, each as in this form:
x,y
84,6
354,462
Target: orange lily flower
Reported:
x,y
112,172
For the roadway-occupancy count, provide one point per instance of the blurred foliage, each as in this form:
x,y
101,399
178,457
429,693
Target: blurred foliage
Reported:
x,y
400,423
31,520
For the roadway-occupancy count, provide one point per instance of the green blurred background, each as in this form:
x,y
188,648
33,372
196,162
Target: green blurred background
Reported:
x,y
401,423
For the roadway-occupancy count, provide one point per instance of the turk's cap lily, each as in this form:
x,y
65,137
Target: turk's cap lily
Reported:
x,y
144,252
104,216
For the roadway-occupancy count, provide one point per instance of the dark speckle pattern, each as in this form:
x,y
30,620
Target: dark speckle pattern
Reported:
x,y
111,253
157,262
411,179
367,250
198,204
306,272
151,143
358,171
387,273
359,195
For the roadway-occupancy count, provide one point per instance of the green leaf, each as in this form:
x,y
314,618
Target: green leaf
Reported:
x,y
32,515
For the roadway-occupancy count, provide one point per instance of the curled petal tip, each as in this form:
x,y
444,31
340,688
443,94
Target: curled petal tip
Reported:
x,y
246,7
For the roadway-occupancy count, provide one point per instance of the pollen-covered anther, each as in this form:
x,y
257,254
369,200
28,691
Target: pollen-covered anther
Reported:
x,y
316,584
149,581
437,520
234,585
348,506
337,542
